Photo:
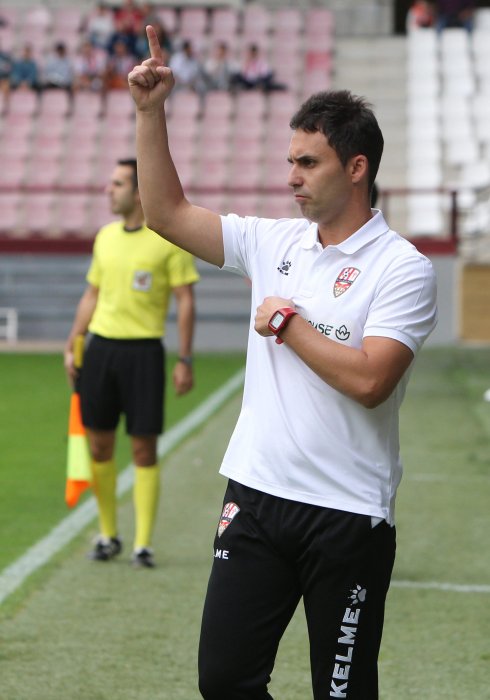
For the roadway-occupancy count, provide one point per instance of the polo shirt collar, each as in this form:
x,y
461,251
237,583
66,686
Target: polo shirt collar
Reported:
x,y
372,229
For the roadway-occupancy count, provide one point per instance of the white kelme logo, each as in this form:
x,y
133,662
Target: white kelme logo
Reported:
x,y
346,642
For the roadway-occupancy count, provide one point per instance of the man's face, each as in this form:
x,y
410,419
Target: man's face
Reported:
x,y
123,197
320,183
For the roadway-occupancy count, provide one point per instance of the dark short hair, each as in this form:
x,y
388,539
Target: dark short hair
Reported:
x,y
348,123
131,163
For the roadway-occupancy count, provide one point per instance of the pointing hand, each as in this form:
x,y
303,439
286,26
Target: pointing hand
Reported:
x,y
151,82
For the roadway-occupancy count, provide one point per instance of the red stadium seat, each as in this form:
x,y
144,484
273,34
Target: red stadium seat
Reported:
x,y
23,103
54,103
10,206
119,104
43,172
224,24
38,214
193,23
72,215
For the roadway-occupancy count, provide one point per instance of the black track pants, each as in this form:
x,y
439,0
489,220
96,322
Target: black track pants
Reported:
x,y
270,553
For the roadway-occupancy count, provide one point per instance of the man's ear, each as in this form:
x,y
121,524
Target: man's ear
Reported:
x,y
358,168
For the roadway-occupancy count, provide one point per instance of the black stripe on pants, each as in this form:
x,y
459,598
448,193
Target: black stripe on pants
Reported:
x,y
271,553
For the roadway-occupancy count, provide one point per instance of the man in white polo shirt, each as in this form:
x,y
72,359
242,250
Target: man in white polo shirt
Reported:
x,y
340,306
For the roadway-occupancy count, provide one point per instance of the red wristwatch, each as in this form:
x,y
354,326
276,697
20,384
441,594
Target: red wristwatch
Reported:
x,y
279,320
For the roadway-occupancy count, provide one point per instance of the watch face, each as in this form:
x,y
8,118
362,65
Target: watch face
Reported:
x,y
276,320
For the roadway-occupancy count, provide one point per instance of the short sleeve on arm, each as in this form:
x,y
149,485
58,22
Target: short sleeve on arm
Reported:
x,y
181,268
93,275
404,306
238,242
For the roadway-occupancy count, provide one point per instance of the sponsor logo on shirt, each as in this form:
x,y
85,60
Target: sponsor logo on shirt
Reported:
x,y
142,281
342,333
284,267
345,280
230,510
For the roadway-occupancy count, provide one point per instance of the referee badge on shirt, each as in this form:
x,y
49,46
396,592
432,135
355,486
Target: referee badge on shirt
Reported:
x,y
229,512
142,281
345,280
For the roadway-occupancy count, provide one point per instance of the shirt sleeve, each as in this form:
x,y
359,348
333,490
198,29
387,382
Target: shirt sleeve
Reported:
x,y
181,268
94,274
404,306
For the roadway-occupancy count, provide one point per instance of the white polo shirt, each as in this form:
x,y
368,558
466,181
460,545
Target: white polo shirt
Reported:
x,y
297,437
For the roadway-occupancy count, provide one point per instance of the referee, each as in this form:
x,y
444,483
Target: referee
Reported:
x,y
132,276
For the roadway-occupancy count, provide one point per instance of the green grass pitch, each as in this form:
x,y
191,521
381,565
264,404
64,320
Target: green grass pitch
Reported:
x,y
95,632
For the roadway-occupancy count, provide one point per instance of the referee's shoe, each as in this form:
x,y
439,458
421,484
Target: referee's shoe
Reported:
x,y
143,558
105,548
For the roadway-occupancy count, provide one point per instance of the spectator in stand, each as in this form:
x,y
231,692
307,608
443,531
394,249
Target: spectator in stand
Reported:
x,y
99,26
119,64
187,69
255,72
455,13
219,69
25,71
89,68
129,16
58,69
420,15
127,35
6,64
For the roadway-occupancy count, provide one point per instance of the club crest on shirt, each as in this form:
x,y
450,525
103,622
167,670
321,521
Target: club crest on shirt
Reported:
x,y
142,280
345,279
229,511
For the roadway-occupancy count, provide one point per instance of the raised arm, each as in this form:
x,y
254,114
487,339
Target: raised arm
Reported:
x,y
166,209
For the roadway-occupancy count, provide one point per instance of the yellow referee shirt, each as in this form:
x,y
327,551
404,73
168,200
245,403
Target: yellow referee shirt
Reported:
x,y
135,273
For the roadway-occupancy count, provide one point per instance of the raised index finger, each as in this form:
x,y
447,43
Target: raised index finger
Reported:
x,y
154,44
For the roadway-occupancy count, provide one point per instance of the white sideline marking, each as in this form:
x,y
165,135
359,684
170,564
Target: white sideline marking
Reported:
x,y
39,554
440,586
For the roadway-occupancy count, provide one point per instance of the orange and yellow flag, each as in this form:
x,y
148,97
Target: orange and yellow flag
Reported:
x,y
78,472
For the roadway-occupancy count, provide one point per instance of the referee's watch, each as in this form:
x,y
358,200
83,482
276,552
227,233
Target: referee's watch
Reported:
x,y
186,360
279,320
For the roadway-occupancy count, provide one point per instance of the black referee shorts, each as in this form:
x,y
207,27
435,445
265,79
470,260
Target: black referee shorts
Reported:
x,y
123,377
269,553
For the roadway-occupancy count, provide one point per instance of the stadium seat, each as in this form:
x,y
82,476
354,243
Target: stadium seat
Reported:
x,y
211,173
55,103
7,38
168,18
219,105
193,23
71,215
14,144
244,174
282,106
38,213
224,24
10,206
99,212
184,104
67,19
119,104
425,215
243,204
87,105
77,172
256,22
12,173
288,21
46,146
215,202
276,172
43,172
278,206
23,103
